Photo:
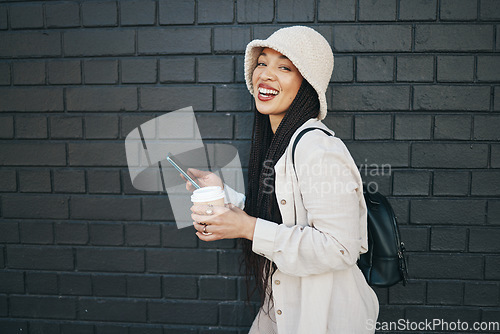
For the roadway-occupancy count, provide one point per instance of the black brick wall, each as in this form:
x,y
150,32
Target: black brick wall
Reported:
x,y
416,86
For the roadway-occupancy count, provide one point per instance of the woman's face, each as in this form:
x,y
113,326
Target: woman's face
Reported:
x,y
276,82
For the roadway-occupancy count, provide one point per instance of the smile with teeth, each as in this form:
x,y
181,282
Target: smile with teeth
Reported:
x,y
266,92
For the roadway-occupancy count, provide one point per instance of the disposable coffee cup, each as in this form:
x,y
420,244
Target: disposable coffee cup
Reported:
x,y
213,195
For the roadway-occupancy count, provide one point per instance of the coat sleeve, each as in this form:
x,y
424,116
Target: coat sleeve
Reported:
x,y
331,189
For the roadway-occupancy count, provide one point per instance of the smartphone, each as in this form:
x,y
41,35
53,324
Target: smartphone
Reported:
x,y
171,159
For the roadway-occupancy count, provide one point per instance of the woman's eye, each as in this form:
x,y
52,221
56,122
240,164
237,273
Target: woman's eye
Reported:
x,y
285,68
261,64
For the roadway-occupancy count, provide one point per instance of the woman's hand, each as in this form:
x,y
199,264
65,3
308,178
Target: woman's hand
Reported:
x,y
222,222
203,178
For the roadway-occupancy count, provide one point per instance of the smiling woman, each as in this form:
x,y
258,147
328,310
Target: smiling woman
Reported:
x,y
301,246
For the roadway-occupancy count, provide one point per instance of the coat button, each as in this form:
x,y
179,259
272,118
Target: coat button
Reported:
x,y
279,312
277,282
283,201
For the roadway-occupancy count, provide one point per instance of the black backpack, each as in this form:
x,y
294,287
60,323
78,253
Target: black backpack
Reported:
x,y
384,264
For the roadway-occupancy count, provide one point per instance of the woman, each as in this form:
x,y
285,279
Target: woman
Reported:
x,y
304,224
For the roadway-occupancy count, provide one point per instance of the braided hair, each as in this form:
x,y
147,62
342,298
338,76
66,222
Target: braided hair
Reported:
x,y
261,202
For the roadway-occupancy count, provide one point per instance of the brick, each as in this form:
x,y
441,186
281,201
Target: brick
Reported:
x,y
489,10
11,282
66,127
496,99
33,154
146,330
177,70
105,208
495,156
31,99
457,127
411,183
64,72
4,74
71,233
109,285
138,70
37,233
231,39
371,38
486,127
13,326
69,181
3,17
341,10
215,69
215,11
445,293
218,126
493,212
449,155
416,239
157,208
137,12
130,122
10,232
6,127
72,328
447,212
484,240
103,181
101,126
260,11
229,263
123,310
144,286
8,182
446,266
62,14
185,287
44,328
110,260
295,11
142,234
176,97
481,294
458,10
106,234
28,73
417,10
488,68
222,288
97,71
41,283
111,329
34,127
184,261
2,265
448,239
451,98
374,69
36,206
99,14
485,183
240,69
26,16
382,154
40,257
455,68
450,183
233,98
412,127
372,127
343,70
172,236
30,44
370,98
243,125
176,12
75,284
178,312
453,37
492,267
415,69
174,40
412,293
382,10
93,42
97,154
43,307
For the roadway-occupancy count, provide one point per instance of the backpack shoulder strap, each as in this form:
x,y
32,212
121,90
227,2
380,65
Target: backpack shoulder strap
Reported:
x,y
303,132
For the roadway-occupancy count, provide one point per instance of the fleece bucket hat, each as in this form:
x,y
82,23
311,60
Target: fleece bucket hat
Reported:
x,y
306,49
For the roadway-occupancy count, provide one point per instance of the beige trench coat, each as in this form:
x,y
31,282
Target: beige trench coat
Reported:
x,y
318,287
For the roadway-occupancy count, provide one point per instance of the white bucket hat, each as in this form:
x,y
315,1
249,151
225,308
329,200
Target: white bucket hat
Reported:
x,y
306,49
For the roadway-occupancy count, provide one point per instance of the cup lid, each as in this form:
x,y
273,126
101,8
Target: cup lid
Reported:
x,y
207,194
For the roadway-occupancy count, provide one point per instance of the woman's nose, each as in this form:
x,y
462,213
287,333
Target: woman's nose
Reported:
x,y
268,74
